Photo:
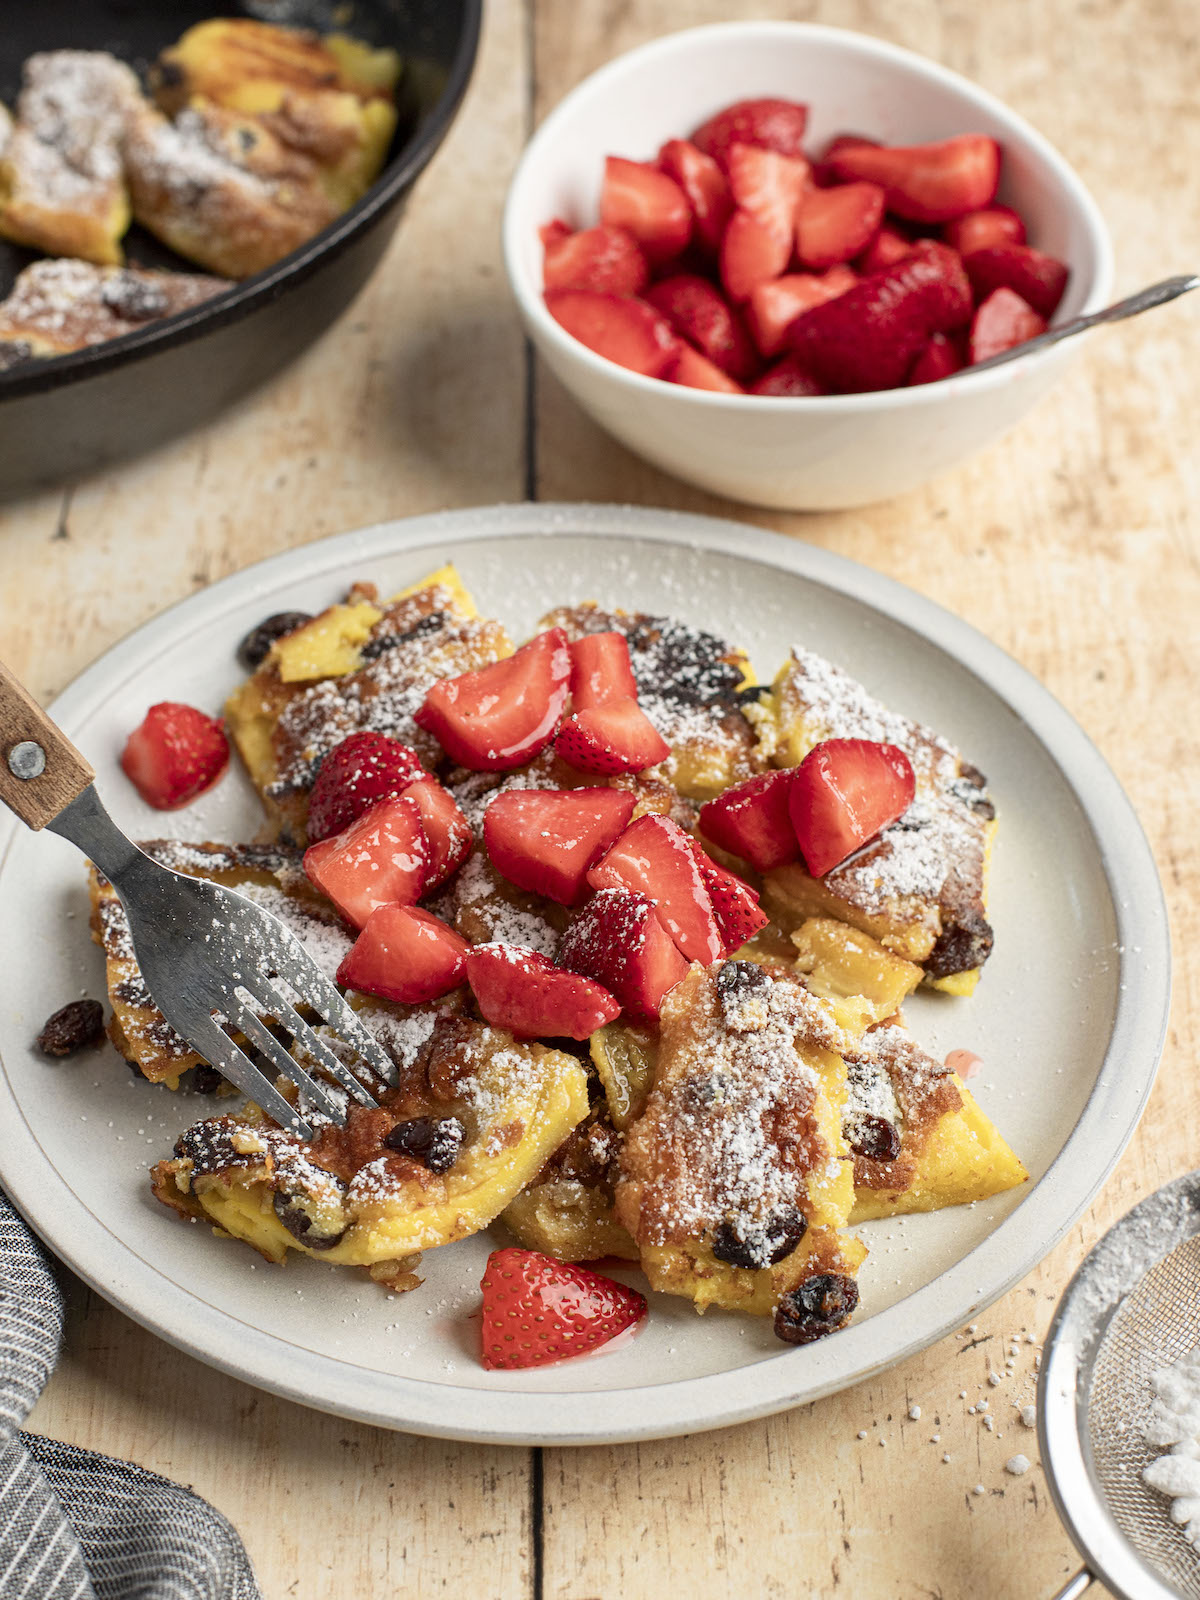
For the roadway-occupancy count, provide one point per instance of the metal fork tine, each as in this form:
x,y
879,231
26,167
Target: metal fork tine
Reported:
x,y
344,1020
319,1050
219,1050
255,1028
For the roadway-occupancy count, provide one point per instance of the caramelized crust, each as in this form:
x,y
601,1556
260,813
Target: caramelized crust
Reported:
x,y
58,306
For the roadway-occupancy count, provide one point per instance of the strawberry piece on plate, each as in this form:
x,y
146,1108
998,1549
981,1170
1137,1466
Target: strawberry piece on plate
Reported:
x,y
927,182
770,124
544,840
789,379
600,671
834,225
655,857
446,829
939,359
381,858
406,955
526,993
698,312
752,820
537,1309
769,187
695,371
775,305
887,247
653,207
174,754
624,330
618,940
734,902
1002,321
980,230
604,260
356,774
501,716
845,791
705,186
1039,279
612,738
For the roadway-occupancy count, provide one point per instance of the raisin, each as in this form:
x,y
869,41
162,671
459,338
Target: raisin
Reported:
x,y
205,1079
740,977
760,1242
751,692
961,947
740,986
433,623
252,651
314,1223
433,1141
134,298
75,1026
817,1307
874,1137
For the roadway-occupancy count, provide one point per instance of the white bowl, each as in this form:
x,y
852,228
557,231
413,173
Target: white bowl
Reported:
x,y
813,453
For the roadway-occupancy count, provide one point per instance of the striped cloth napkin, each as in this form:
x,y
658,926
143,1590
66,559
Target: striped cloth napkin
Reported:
x,y
75,1525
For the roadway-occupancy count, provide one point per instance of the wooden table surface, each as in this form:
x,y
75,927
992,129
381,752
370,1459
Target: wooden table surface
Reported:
x,y
1073,543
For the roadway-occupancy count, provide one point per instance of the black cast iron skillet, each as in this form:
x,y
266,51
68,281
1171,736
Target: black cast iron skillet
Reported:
x,y
63,418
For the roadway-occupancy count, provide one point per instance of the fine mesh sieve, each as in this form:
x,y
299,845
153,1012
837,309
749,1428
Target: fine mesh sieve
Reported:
x,y
1131,1309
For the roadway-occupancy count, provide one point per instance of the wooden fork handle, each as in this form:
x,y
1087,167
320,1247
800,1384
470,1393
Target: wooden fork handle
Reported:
x,y
41,771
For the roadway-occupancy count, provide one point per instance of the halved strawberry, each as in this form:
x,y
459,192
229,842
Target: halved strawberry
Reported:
x,y
734,902
356,774
502,715
406,955
823,174
1039,279
612,738
537,1309
769,186
1002,321
447,830
697,311
605,260
750,255
703,182
939,359
980,230
553,231
887,247
380,858
655,857
844,792
626,331
774,306
789,379
526,993
600,671
545,840
695,371
770,124
618,939
174,754
834,225
751,820
927,182
652,206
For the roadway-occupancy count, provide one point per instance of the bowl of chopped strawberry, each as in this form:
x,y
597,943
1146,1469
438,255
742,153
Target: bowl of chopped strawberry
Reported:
x,y
767,256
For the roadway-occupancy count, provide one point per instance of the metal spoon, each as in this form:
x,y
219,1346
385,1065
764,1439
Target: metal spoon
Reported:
x,y
1156,295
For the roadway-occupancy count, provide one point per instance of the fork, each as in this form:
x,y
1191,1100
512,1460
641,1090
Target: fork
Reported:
x,y
209,955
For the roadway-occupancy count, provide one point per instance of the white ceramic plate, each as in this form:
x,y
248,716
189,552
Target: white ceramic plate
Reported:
x,y
1068,1019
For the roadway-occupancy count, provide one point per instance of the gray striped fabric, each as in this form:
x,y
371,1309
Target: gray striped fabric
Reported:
x,y
75,1525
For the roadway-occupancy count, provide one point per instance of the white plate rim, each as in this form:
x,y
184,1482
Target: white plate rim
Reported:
x,y
662,1410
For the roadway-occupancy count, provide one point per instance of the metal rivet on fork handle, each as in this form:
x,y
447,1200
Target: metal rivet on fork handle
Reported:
x,y
27,760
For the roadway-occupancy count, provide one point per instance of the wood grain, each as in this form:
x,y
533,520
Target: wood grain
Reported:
x,y
1073,543
37,797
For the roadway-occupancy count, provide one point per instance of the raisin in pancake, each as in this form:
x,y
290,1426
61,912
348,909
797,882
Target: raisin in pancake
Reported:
x,y
689,685
919,888
57,306
269,876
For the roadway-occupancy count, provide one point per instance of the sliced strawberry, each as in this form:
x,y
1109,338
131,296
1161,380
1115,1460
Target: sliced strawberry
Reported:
x,y
652,206
751,820
734,902
697,311
545,840
750,256
939,359
655,857
695,371
774,306
869,337
552,232
605,260
617,737
823,174
927,182
618,940
356,774
380,858
845,791
537,1309
446,829
502,715
704,184
788,379
769,186
1002,321
600,671
1039,279
887,247
980,230
526,993
626,331
174,754
406,955
770,124
834,225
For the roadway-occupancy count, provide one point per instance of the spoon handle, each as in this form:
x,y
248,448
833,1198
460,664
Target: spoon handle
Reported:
x,y
1156,295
